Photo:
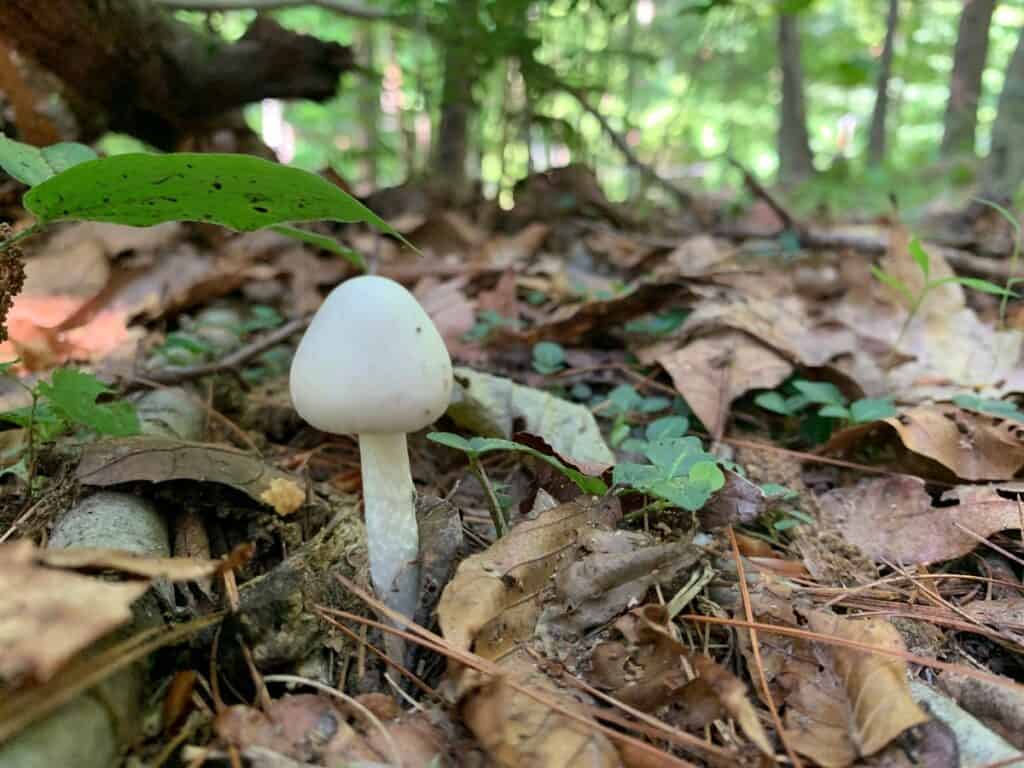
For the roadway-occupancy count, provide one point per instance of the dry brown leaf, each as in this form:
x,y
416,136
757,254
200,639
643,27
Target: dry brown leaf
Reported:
x,y
87,559
548,580
648,673
48,615
859,702
711,372
446,304
503,251
974,446
570,324
159,459
516,730
620,249
893,518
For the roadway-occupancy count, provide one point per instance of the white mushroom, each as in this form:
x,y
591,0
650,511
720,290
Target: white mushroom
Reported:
x,y
373,364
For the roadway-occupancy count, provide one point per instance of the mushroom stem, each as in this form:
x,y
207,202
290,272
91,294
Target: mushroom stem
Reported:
x,y
392,535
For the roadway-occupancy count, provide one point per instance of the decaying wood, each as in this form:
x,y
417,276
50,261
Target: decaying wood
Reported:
x,y
129,66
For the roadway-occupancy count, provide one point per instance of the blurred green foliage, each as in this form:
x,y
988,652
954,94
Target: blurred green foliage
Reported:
x,y
695,81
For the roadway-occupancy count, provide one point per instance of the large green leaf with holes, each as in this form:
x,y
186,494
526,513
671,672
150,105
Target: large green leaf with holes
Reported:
x,y
237,191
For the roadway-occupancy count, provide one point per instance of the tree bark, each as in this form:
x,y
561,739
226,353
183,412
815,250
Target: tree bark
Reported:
x,y
795,160
1004,167
456,97
876,135
969,59
129,66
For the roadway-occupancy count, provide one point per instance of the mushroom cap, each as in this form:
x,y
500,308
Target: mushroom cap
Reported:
x,y
371,362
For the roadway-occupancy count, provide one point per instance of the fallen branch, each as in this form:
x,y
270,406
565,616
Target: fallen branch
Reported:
x,y
229,362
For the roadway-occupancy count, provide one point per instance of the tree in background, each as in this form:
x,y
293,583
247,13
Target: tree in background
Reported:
x,y
876,134
969,59
1004,166
795,160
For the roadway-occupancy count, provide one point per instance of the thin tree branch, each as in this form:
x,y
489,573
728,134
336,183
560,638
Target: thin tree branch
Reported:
x,y
683,197
341,7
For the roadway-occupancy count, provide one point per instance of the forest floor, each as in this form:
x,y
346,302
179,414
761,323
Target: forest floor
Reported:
x,y
760,497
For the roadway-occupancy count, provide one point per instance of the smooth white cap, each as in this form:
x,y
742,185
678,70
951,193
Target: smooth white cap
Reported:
x,y
371,362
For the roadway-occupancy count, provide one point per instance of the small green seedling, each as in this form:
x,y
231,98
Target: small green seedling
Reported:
x,y
660,324
665,428
548,357
680,474
832,403
475,447
1014,257
621,404
65,403
487,322
915,301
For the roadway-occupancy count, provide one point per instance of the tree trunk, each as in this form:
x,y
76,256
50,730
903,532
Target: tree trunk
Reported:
x,y
456,97
965,80
876,136
1004,167
128,66
795,161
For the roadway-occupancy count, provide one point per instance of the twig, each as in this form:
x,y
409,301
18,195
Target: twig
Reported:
x,y
789,222
239,357
684,198
755,648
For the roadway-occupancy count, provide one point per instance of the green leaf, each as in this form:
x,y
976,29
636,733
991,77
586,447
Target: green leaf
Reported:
x,y
989,405
323,242
619,433
67,154
73,396
834,412
871,409
920,257
774,402
458,442
977,284
5,368
654,404
624,399
893,282
778,492
667,427
548,357
480,445
819,392
241,192
31,165
707,475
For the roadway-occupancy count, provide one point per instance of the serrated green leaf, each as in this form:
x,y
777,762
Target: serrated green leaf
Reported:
x,y
326,243
73,396
241,192
920,257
